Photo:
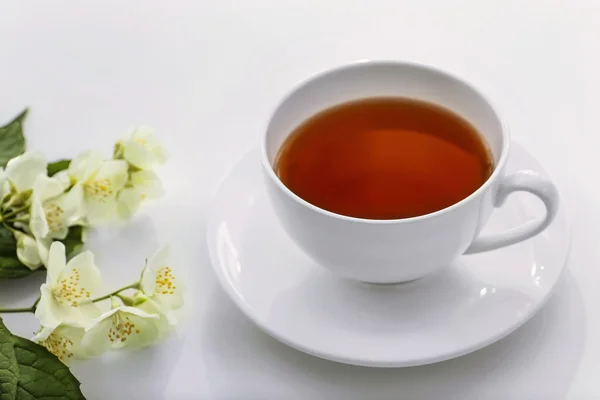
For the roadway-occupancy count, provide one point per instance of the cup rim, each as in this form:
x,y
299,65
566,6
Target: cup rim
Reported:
x,y
399,64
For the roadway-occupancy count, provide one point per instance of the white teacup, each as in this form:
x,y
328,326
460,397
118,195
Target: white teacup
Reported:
x,y
388,251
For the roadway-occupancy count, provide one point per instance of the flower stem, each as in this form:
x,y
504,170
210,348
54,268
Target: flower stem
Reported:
x,y
20,219
17,310
20,310
135,285
127,300
14,212
32,309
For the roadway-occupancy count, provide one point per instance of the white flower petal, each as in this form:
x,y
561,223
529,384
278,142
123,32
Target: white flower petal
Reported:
x,y
27,251
73,204
73,335
148,280
100,213
119,327
44,249
160,258
136,154
38,223
128,202
141,149
96,340
82,277
159,283
88,311
66,295
64,342
102,317
59,213
167,319
114,171
169,315
49,312
60,233
172,299
100,192
137,312
57,262
144,185
141,329
50,212
85,165
64,177
45,188
144,133
23,170
42,334
148,183
4,185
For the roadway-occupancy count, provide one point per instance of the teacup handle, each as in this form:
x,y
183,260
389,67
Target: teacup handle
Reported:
x,y
520,181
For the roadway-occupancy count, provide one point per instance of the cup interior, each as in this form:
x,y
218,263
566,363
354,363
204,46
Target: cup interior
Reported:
x,y
384,79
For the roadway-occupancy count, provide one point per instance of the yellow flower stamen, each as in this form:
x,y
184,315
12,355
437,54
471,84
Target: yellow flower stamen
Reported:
x,y
165,281
99,189
68,291
54,217
59,346
122,328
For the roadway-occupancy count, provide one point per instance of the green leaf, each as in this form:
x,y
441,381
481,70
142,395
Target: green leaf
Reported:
x,y
57,166
74,240
42,375
12,141
30,372
8,243
10,266
9,369
21,117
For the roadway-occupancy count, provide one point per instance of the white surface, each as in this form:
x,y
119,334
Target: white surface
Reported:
x,y
472,303
207,74
393,251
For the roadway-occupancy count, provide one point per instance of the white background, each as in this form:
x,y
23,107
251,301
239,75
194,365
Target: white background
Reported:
x,y
206,75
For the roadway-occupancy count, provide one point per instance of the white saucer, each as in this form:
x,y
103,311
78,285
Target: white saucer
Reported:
x,y
462,309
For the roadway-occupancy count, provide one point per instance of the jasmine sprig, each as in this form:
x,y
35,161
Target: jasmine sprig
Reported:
x,y
44,211
41,202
